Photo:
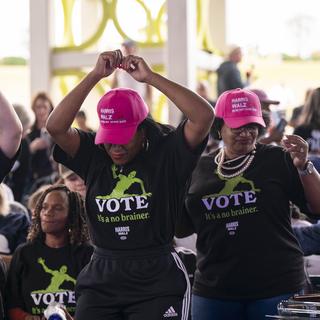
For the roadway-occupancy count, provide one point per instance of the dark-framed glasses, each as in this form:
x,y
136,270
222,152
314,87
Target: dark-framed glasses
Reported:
x,y
251,128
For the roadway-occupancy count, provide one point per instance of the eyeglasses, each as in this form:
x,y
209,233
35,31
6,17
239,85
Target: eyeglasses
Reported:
x,y
251,128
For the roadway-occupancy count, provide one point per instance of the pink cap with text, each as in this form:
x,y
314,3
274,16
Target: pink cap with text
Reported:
x,y
120,112
239,107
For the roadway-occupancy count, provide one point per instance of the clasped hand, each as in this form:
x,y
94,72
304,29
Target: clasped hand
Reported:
x,y
109,61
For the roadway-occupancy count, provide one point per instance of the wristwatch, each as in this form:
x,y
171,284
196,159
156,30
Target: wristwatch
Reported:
x,y
308,169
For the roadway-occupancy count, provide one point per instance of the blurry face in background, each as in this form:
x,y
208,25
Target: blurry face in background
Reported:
x,y
124,153
202,90
41,110
75,183
81,121
236,55
54,213
128,49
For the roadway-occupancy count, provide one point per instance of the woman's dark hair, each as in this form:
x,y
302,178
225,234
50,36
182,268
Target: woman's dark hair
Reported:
x,y
219,122
154,130
77,226
40,96
310,114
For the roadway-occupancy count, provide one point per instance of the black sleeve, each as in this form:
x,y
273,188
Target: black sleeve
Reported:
x,y
13,290
184,158
184,226
6,163
81,162
309,239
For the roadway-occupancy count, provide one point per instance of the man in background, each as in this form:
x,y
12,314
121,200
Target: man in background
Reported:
x,y
123,79
229,76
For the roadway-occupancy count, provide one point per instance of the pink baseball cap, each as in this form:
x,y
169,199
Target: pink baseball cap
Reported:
x,y
120,112
239,107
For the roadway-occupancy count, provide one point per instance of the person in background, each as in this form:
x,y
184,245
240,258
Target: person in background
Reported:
x,y
309,123
38,138
295,117
274,128
308,238
81,121
10,136
73,182
18,178
238,204
123,80
202,90
14,225
298,219
34,198
136,171
228,73
47,266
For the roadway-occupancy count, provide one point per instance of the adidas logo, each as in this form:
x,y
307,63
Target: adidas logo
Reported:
x,y
170,313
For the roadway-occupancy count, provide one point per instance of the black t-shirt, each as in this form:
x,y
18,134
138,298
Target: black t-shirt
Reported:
x,y
311,135
246,248
6,164
18,178
39,275
136,205
40,160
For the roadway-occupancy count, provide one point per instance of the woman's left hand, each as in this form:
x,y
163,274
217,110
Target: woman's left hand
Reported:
x,y
298,149
137,68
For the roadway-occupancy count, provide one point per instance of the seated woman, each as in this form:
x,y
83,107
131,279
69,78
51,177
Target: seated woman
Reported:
x,y
14,224
46,267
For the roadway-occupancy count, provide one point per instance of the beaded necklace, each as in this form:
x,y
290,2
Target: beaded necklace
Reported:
x,y
219,159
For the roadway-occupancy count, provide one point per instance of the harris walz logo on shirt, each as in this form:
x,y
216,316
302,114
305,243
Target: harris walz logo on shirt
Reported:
x,y
120,205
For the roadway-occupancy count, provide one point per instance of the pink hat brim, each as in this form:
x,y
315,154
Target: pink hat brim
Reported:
x,y
115,135
239,122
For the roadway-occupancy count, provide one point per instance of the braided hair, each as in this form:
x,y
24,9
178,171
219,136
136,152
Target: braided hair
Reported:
x,y
77,226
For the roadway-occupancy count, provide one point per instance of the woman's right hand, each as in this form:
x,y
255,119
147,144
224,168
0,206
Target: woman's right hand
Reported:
x,y
107,62
38,144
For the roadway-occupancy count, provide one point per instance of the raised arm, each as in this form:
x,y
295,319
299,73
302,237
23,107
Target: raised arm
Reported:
x,y
61,118
199,112
298,149
10,128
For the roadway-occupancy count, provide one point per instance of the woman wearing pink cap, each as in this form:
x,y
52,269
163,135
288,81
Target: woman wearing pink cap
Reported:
x,y
238,204
136,172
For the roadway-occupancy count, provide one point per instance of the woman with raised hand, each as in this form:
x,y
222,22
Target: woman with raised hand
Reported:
x,y
40,144
45,269
238,203
10,136
136,171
